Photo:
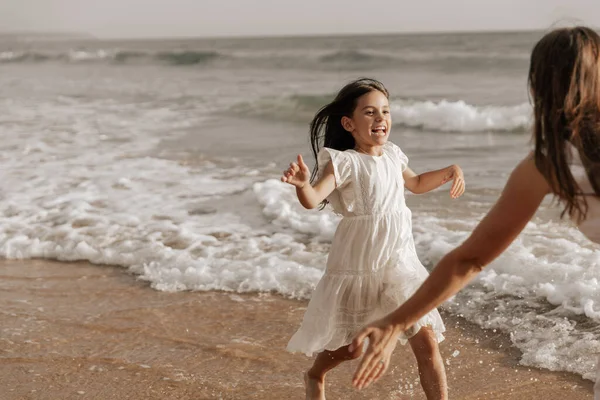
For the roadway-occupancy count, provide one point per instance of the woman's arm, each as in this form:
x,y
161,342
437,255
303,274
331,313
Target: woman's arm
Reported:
x,y
522,195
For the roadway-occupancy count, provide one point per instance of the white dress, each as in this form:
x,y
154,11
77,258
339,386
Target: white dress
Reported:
x,y
372,266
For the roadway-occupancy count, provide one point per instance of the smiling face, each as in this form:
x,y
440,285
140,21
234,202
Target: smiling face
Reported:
x,y
371,121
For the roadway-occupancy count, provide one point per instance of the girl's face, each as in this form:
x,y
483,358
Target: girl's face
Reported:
x,y
371,121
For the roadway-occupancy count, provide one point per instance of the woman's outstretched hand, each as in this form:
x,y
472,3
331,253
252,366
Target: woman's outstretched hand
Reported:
x,y
383,337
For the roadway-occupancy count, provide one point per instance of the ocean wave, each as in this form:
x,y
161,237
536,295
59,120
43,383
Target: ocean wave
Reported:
x,y
354,57
295,108
15,57
435,116
459,116
182,57
320,59
187,57
349,59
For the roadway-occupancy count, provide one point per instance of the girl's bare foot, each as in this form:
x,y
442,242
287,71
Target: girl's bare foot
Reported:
x,y
315,388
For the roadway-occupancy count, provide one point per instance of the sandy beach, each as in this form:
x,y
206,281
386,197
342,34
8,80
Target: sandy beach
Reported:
x,y
80,331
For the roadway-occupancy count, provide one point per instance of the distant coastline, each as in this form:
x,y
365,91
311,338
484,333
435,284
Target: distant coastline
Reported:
x,y
317,35
44,36
33,36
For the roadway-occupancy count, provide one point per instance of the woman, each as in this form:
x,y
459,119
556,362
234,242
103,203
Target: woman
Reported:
x,y
564,81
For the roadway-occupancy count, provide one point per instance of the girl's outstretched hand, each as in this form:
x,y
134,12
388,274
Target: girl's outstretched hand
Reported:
x,y
297,174
455,174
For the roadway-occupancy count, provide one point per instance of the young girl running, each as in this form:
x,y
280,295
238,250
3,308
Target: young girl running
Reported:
x,y
372,266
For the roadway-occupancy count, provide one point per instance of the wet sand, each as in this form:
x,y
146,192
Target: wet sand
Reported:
x,y
79,331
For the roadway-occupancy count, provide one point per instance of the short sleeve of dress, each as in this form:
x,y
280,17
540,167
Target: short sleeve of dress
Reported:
x,y
399,154
341,165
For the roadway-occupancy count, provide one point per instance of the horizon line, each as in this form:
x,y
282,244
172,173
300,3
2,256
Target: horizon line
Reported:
x,y
320,34
96,37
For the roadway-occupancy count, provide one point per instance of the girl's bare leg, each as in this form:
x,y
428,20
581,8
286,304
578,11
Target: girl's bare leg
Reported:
x,y
325,362
431,365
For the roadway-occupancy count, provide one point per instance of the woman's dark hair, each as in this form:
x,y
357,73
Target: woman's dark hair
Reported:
x,y
326,128
564,81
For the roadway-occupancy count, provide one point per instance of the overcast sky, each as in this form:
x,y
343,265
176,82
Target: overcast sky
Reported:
x,y
163,18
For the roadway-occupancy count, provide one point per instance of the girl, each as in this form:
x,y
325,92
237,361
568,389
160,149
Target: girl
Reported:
x,y
372,266
564,81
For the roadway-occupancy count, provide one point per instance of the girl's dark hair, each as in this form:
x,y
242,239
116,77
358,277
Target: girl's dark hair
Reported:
x,y
326,128
564,80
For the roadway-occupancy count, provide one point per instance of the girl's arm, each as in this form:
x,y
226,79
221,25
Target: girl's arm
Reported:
x,y
524,192
428,181
309,196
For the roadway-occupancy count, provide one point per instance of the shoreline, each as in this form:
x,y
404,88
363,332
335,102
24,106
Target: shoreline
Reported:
x,y
77,330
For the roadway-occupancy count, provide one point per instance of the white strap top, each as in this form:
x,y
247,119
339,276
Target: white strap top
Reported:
x,y
590,227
